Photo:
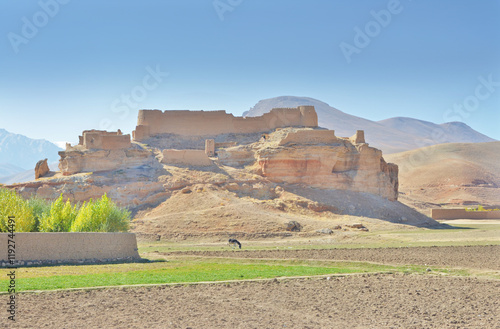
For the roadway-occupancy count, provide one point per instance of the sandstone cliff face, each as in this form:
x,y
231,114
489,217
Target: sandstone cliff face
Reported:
x,y
133,187
77,161
319,159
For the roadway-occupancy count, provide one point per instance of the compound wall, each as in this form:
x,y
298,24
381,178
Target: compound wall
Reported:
x,y
463,214
71,246
201,123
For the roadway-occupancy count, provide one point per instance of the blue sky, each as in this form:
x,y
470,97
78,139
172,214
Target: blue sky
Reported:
x,y
66,66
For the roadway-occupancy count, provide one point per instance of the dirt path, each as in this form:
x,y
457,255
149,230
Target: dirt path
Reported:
x,y
361,301
476,257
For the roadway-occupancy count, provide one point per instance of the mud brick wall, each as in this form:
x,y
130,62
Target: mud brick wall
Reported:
x,y
186,157
310,137
105,141
71,246
204,123
463,214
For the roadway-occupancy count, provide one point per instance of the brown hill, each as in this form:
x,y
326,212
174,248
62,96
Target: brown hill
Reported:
x,y
234,198
454,173
263,209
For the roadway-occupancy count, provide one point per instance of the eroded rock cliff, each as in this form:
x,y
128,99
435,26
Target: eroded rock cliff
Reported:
x,y
318,158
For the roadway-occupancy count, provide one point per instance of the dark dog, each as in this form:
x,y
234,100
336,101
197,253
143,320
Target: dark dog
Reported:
x,y
233,243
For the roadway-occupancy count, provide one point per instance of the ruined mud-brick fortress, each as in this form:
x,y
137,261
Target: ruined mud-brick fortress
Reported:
x,y
202,123
285,145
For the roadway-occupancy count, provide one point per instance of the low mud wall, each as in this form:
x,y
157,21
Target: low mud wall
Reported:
x,y
463,214
186,157
58,248
310,137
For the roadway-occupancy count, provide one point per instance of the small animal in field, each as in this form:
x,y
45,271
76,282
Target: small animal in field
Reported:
x,y
234,243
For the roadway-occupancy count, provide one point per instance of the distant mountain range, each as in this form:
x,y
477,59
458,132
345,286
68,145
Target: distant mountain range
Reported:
x,y
391,135
9,169
19,153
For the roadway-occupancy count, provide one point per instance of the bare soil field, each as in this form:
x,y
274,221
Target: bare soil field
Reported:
x,y
358,301
476,257
345,301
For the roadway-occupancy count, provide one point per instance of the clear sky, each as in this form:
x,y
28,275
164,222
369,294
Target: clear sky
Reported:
x,y
66,66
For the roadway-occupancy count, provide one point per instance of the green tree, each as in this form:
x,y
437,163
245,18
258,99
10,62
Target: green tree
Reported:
x,y
35,215
12,204
40,207
101,215
59,218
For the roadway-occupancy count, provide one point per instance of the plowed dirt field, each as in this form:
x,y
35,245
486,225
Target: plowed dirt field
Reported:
x,y
350,301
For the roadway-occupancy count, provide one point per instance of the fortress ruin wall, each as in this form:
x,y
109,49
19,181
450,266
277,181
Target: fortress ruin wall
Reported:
x,y
186,157
204,123
358,137
100,150
104,140
310,137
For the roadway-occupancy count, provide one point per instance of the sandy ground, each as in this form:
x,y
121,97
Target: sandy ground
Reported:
x,y
476,257
214,213
361,301
351,301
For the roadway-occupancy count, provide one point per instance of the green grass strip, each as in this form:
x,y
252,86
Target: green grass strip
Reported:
x,y
194,272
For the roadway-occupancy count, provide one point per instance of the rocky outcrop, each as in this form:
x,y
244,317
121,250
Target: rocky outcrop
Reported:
x,y
133,187
80,161
237,156
320,159
41,168
293,226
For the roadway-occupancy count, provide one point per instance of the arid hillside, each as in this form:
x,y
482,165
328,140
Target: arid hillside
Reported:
x,y
214,212
255,190
454,173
